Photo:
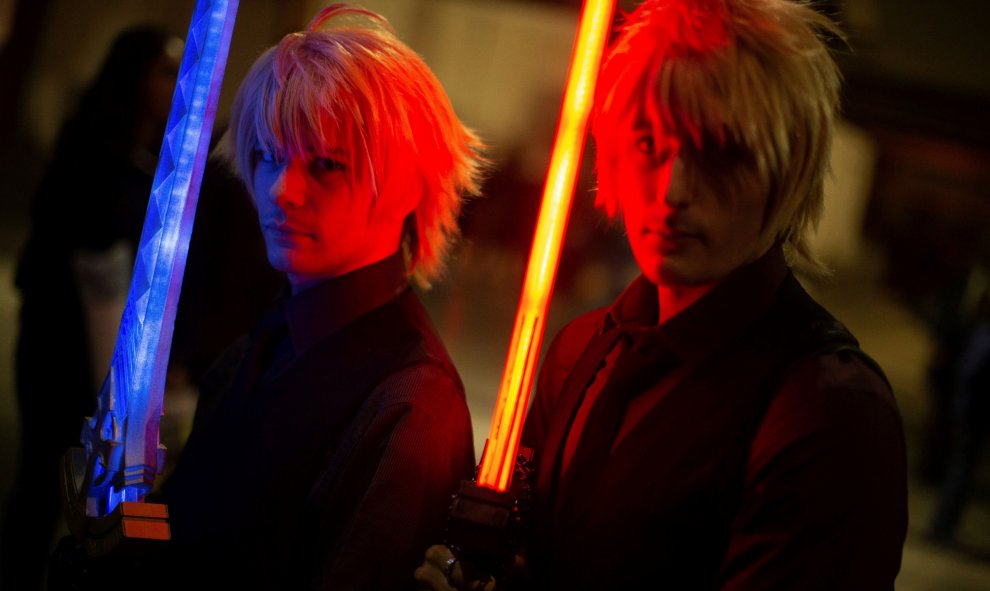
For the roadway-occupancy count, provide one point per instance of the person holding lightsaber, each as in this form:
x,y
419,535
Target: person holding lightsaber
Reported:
x,y
713,428
327,443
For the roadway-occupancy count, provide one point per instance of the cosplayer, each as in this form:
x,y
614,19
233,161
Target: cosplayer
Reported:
x,y
714,428
326,444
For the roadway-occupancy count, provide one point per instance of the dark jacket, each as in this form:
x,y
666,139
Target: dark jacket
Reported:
x,y
334,468
771,455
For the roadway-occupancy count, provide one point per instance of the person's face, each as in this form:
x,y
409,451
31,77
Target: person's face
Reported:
x,y
159,81
317,222
684,232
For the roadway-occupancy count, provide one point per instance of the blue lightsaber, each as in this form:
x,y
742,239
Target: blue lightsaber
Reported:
x,y
122,453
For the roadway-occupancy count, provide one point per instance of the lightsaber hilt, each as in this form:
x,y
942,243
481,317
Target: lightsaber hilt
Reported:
x,y
486,527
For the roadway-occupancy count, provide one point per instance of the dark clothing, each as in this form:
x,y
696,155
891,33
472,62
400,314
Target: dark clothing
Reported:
x,y
329,462
83,203
94,195
971,428
760,448
228,283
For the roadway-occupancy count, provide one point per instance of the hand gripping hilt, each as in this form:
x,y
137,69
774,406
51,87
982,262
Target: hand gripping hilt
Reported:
x,y
485,526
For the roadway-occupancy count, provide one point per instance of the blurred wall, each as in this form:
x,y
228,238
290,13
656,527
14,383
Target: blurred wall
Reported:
x,y
501,61
78,34
942,44
483,52
6,18
503,64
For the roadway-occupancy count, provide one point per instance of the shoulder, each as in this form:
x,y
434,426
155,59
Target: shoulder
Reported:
x,y
425,387
826,480
835,402
838,380
825,365
418,416
832,389
412,365
845,369
830,366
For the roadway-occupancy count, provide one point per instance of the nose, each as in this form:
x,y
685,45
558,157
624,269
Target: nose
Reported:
x,y
672,185
288,190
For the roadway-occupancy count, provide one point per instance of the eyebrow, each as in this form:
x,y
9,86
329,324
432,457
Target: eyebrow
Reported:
x,y
662,139
331,153
641,124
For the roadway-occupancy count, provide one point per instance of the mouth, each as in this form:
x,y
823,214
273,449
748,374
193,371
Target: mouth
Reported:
x,y
677,228
672,236
671,232
678,235
286,234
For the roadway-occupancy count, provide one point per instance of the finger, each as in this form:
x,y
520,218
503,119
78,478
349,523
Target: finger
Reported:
x,y
430,575
438,556
471,581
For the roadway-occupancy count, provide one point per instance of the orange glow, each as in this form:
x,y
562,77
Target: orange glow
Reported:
x,y
498,460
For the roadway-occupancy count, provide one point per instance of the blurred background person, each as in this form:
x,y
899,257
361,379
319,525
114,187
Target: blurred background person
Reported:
x,y
73,274
967,390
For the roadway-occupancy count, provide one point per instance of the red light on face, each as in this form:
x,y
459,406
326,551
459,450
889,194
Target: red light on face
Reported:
x,y
315,217
498,460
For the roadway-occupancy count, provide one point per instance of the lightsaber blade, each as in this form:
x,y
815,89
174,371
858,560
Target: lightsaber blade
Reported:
x,y
498,459
122,449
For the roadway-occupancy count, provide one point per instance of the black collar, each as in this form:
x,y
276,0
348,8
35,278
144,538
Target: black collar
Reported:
x,y
714,319
317,312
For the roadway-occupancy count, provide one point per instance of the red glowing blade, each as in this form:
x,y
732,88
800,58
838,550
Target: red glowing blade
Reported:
x,y
498,460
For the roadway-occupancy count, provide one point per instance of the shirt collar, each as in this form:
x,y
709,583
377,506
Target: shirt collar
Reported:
x,y
722,313
317,312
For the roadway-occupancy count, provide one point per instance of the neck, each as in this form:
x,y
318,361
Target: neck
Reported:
x,y
302,281
675,298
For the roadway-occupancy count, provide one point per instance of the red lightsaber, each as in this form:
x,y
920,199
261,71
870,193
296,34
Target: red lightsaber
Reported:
x,y
498,459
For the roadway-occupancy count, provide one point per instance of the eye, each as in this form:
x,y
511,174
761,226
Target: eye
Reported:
x,y
658,153
646,145
266,156
326,164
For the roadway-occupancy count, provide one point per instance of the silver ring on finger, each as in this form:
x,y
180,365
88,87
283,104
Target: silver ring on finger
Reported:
x,y
448,566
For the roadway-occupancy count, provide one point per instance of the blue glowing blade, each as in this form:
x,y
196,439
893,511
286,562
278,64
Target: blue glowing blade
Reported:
x,y
121,439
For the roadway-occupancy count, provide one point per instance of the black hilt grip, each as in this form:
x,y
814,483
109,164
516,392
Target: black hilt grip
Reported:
x,y
485,527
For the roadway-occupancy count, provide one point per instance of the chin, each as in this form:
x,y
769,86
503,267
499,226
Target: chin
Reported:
x,y
282,264
673,275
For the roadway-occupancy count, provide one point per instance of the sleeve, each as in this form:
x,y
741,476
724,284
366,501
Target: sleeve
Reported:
x,y
824,502
394,495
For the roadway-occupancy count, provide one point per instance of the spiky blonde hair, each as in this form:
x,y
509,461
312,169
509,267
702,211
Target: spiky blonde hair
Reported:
x,y
751,79
347,77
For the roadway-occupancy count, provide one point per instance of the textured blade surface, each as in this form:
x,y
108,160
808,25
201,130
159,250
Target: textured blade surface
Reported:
x,y
121,439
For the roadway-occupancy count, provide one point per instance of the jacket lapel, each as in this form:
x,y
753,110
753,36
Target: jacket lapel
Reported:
x,y
570,398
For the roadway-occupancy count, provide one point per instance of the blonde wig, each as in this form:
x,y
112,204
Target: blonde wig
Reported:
x,y
750,87
347,81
